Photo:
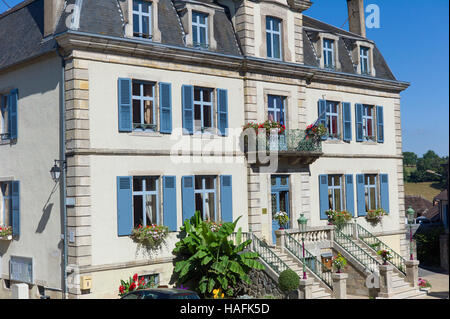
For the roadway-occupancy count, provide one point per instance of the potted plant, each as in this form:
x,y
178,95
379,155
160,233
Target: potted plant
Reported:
x,y
151,236
374,216
5,232
282,218
339,262
385,255
315,132
338,218
424,285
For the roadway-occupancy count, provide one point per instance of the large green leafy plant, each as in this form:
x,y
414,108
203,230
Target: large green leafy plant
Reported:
x,y
210,260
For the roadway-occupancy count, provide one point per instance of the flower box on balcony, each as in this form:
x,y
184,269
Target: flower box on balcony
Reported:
x,y
6,237
5,232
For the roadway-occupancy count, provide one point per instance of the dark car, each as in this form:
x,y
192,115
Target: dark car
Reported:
x,y
161,293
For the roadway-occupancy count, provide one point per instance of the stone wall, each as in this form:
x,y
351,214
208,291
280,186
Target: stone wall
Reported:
x,y
262,285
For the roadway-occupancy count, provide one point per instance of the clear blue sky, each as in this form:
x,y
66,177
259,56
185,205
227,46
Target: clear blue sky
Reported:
x,y
413,38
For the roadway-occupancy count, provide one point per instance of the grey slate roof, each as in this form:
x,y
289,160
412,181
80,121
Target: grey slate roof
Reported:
x,y
21,32
346,42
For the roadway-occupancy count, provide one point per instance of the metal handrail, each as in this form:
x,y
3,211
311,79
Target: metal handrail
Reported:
x,y
264,252
355,251
311,262
376,244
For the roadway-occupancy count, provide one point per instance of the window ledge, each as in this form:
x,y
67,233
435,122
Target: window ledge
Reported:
x,y
147,134
5,142
369,143
206,135
334,141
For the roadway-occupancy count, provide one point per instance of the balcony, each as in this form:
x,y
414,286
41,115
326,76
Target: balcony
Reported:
x,y
292,144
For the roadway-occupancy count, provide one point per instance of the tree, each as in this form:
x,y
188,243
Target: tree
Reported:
x,y
409,158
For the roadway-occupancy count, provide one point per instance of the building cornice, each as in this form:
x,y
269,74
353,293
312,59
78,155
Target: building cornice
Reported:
x,y
75,40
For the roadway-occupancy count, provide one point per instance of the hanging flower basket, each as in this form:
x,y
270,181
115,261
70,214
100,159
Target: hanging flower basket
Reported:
x,y
5,232
337,218
151,236
375,216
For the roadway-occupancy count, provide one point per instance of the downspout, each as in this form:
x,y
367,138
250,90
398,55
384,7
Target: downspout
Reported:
x,y
62,157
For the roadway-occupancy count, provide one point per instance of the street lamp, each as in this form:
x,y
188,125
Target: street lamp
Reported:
x,y
410,216
55,171
302,221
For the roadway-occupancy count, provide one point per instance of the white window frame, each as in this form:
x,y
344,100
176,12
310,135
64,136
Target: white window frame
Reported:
x,y
141,98
145,192
204,192
276,111
272,32
364,60
328,115
196,28
4,130
365,118
332,188
326,51
367,188
141,14
202,104
6,201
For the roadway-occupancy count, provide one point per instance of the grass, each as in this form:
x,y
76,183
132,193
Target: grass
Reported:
x,y
425,189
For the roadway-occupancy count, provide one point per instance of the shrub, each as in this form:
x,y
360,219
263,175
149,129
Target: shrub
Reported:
x,y
210,261
288,281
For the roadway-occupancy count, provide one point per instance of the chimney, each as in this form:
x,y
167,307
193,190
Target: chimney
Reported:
x,y
356,19
52,12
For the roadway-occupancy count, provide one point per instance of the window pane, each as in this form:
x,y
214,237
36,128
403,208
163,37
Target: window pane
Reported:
x,y
274,203
199,203
137,111
148,90
334,125
137,184
211,207
136,89
135,24
209,182
151,209
194,34
369,127
337,200
135,5
150,183
271,116
197,116
145,6
137,210
276,46
198,182
145,25
202,18
283,202
207,116
148,112
197,94
268,23
276,25
269,45
206,95
372,194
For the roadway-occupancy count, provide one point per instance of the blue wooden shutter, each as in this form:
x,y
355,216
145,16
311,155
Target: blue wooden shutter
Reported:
x,y
165,107
359,122
125,105
13,100
188,108
380,124
170,202
349,194
124,205
384,192
226,198
323,196
322,106
222,111
360,195
15,208
347,121
188,196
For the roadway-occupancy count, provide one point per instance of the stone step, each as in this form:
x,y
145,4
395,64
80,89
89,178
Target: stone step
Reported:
x,y
400,284
403,289
320,295
413,293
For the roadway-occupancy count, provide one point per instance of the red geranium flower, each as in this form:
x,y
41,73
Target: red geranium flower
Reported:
x,y
135,277
132,286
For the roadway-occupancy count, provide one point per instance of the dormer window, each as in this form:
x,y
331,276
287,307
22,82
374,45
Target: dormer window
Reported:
x,y
273,38
328,53
364,60
142,19
200,30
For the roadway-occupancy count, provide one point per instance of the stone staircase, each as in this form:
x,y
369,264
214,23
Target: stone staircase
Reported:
x,y
402,289
319,290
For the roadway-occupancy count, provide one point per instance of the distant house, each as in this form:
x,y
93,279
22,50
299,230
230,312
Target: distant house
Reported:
x,y
422,207
441,203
